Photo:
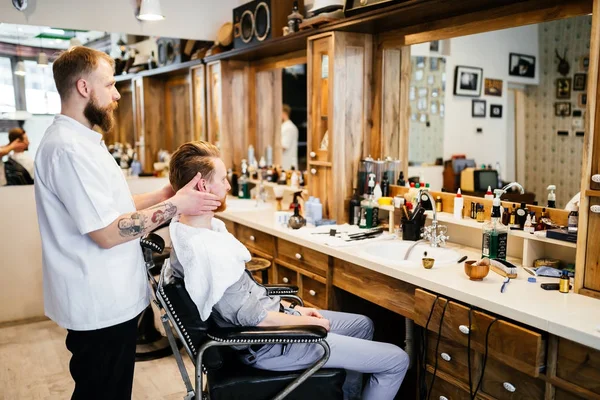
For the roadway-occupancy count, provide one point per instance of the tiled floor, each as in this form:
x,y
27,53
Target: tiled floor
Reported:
x,y
34,364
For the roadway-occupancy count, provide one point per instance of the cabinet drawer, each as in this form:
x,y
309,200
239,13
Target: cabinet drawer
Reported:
x,y
314,292
302,257
560,394
579,365
256,239
451,358
287,276
519,347
505,383
445,390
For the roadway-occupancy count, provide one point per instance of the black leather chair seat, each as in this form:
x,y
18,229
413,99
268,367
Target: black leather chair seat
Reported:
x,y
236,380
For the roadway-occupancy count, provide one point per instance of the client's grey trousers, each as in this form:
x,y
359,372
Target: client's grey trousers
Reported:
x,y
351,349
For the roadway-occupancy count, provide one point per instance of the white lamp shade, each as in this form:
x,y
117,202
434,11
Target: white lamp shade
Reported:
x,y
150,11
20,68
42,59
74,42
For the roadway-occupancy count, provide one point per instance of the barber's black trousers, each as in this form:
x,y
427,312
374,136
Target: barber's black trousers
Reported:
x,y
103,361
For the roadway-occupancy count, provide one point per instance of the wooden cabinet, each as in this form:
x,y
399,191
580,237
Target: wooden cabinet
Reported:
x,y
579,365
522,348
255,240
198,76
505,383
303,257
339,76
452,358
149,122
178,111
445,389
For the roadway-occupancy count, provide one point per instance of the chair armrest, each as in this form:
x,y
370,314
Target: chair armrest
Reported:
x,y
270,334
280,290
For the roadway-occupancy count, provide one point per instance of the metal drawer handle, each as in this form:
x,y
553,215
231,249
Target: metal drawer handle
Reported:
x,y
443,398
595,209
285,280
312,292
298,256
252,238
596,178
446,357
313,171
509,387
313,155
464,329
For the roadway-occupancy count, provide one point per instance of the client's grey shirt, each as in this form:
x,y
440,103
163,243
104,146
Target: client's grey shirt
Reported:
x,y
244,303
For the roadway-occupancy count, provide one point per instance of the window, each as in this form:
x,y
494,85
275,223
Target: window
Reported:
x,y
40,92
7,90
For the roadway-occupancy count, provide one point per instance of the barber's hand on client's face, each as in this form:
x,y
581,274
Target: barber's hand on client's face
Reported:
x,y
189,201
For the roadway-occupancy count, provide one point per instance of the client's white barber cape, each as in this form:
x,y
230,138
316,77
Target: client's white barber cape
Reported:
x,y
212,260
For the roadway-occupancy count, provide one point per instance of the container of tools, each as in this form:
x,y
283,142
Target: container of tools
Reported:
x,y
413,223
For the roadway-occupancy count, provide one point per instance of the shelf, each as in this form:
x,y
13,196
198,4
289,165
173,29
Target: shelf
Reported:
x,y
592,193
166,70
286,188
449,219
320,163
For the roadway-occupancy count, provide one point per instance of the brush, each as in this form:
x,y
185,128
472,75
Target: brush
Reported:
x,y
503,268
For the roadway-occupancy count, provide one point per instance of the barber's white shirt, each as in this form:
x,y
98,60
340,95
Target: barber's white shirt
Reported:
x,y
79,189
289,144
25,160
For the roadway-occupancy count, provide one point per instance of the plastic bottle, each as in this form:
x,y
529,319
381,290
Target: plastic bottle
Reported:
x,y
528,226
551,196
573,220
459,203
308,210
378,193
489,195
495,235
317,210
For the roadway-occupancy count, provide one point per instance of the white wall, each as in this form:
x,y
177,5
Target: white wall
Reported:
x,y
193,19
489,51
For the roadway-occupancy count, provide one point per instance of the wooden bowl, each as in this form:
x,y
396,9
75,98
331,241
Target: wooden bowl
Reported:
x,y
476,272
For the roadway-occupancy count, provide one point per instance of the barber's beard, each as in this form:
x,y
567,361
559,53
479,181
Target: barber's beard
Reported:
x,y
223,205
103,117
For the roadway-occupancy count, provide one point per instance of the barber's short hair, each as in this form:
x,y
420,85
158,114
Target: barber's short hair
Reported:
x,y
287,109
73,64
15,134
191,158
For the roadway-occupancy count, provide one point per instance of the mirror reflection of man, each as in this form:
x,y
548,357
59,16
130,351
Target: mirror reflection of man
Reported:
x,y
19,154
4,150
289,139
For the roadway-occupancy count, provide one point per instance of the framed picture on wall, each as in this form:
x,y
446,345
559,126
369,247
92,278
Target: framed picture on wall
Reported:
x,y
521,65
467,81
563,88
434,46
478,109
579,82
562,109
493,87
434,64
582,100
495,111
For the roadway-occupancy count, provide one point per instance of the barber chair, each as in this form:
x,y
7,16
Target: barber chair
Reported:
x,y
219,374
16,174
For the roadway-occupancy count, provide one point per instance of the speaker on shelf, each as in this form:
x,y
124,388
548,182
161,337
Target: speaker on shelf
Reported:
x,y
175,51
260,20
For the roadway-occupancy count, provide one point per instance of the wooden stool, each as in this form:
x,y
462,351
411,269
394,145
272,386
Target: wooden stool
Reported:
x,y
260,264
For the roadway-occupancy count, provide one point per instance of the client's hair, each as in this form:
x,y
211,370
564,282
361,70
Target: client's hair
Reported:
x,y
189,159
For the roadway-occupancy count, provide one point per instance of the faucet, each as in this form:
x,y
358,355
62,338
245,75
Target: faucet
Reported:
x,y
513,184
430,233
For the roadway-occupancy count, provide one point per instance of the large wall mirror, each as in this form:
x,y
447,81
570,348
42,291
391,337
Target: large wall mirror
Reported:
x,y
512,101
281,113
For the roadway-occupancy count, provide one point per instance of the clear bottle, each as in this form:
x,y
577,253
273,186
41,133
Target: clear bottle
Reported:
x,y
495,235
243,188
369,209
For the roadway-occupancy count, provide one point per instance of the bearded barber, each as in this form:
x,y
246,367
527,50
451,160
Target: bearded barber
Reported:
x,y
94,278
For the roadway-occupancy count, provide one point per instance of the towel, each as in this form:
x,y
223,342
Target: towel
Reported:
x,y
212,261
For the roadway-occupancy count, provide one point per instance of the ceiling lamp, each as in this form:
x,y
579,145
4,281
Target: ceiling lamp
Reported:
x,y
150,11
20,69
42,59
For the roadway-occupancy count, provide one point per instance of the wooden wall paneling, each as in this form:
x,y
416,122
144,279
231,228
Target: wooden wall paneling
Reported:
x,y
154,121
279,62
587,270
390,102
374,140
213,102
351,108
199,89
268,100
178,111
138,108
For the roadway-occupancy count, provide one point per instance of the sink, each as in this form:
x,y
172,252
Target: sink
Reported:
x,y
234,204
392,252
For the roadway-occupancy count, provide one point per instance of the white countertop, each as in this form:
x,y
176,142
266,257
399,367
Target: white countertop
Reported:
x,y
572,316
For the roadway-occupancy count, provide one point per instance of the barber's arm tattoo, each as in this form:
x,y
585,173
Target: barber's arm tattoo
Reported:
x,y
139,222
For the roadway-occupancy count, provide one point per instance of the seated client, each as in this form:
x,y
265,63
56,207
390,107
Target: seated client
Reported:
x,y
212,262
